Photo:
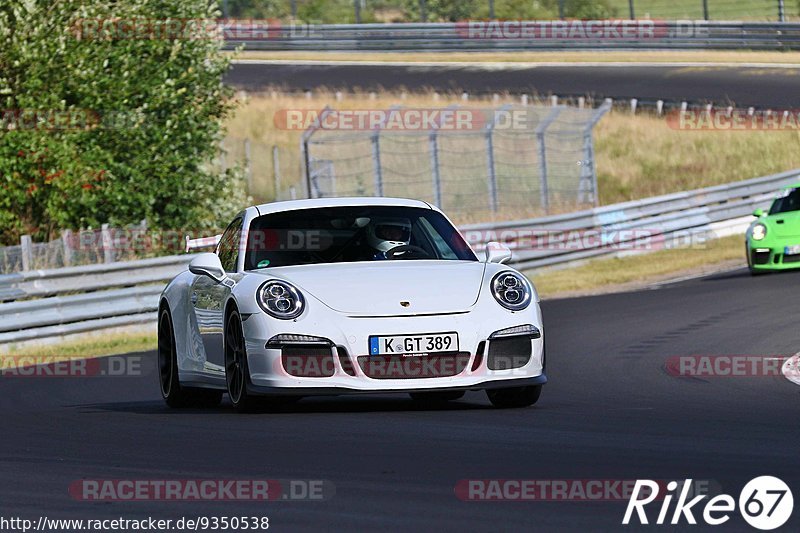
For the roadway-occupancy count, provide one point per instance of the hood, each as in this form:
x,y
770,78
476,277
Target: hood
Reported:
x,y
378,288
784,224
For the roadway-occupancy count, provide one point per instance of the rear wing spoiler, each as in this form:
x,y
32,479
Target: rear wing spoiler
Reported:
x,y
203,242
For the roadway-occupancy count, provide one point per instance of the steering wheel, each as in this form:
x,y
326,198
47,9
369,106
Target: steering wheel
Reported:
x,y
405,250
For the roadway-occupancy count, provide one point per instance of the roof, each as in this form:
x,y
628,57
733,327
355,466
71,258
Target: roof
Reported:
x,y
292,205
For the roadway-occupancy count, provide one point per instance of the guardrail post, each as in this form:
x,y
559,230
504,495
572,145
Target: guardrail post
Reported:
x,y
705,10
66,241
781,11
630,9
26,247
108,244
433,142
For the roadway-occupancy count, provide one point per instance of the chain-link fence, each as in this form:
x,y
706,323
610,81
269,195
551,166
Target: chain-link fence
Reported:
x,y
503,163
85,247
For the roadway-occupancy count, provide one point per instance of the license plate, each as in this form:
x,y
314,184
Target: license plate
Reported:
x,y
413,344
792,250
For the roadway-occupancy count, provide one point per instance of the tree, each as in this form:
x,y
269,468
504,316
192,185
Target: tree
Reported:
x,y
111,112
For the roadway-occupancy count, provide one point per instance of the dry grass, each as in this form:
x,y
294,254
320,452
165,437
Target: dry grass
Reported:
x,y
637,156
642,156
603,275
628,56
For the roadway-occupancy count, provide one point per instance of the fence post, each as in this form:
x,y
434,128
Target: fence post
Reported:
x,y
561,9
66,241
26,247
781,11
492,174
544,193
108,245
705,10
433,142
357,8
276,170
490,161
376,163
304,141
491,10
630,8
248,169
588,179
423,11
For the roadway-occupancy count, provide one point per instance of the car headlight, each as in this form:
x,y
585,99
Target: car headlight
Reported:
x,y
511,290
280,300
759,232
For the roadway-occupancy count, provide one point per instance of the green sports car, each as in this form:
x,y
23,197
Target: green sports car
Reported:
x,y
773,241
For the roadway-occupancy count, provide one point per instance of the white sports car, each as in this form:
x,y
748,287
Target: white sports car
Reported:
x,y
349,295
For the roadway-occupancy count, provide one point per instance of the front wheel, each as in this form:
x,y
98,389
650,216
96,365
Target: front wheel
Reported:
x,y
172,392
516,397
237,373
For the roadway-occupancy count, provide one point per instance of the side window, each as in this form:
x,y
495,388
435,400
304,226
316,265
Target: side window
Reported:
x,y
228,249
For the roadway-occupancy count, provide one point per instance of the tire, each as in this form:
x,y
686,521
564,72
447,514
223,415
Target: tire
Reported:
x,y
172,392
437,396
514,398
237,373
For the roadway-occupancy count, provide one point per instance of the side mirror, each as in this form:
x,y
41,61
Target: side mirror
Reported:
x,y
758,212
497,252
208,265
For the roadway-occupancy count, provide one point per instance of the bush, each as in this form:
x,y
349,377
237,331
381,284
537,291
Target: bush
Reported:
x,y
134,122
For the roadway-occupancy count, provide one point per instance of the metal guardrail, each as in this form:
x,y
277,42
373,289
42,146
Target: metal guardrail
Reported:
x,y
700,213
520,35
48,303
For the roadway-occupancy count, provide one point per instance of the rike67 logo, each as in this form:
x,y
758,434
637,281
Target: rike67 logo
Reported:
x,y
765,503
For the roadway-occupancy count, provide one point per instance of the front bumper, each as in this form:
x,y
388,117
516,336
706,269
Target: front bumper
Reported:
x,y
770,257
345,365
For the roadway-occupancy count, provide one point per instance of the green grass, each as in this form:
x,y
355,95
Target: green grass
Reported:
x,y
603,275
763,10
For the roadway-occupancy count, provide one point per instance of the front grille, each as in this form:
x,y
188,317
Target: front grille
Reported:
x,y
417,367
760,258
308,361
505,354
791,259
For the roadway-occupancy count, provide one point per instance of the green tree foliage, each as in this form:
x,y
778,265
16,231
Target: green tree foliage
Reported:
x,y
130,116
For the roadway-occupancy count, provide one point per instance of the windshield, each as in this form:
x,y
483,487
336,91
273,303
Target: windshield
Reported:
x,y
350,234
789,201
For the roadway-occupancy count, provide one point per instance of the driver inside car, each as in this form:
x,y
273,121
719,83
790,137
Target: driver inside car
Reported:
x,y
385,234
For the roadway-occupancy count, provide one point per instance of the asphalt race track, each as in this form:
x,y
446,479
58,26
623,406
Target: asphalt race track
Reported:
x,y
610,411
740,86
